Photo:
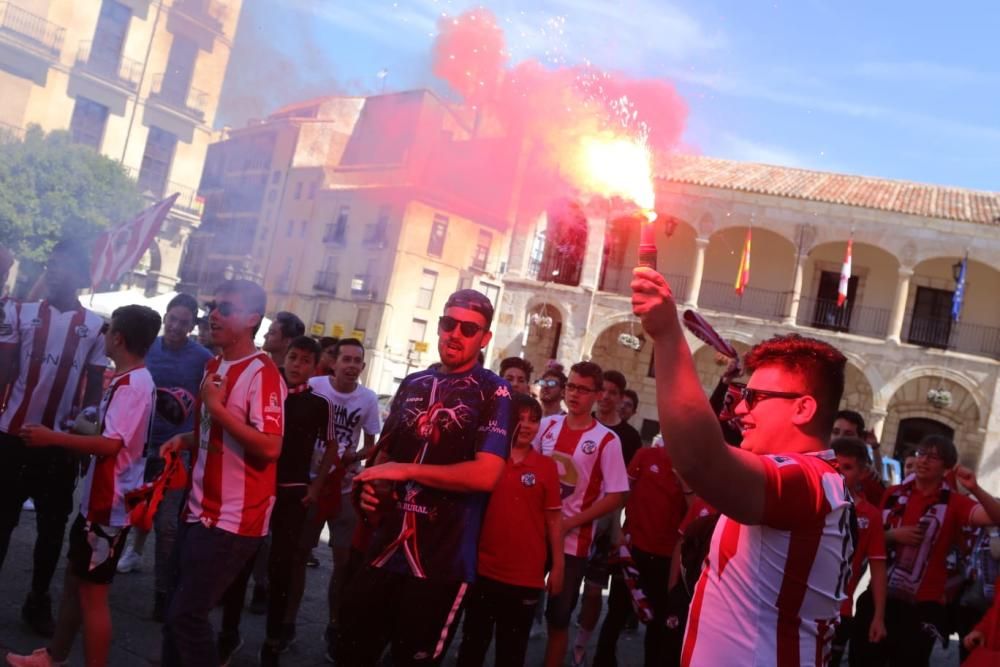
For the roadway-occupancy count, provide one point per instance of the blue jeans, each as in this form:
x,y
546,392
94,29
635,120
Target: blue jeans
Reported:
x,y
206,561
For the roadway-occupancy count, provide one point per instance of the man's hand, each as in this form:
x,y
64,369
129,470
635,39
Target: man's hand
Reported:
x,y
371,495
967,478
974,640
392,471
653,302
908,535
876,631
213,392
565,526
556,577
36,435
312,495
172,446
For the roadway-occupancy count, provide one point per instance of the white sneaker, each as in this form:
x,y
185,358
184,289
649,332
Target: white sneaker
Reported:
x,y
130,561
29,505
40,658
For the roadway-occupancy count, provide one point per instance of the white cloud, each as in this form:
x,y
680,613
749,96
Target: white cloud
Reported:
x,y
734,147
926,72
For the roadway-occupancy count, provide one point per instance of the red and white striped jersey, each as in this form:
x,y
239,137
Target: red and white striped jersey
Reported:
x,y
590,466
770,594
228,490
126,414
55,349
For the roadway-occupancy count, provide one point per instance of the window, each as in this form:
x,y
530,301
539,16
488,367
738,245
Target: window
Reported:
x,y
418,330
439,229
272,195
376,233
827,314
298,190
302,229
312,189
156,161
290,229
180,68
930,324
492,292
427,284
106,49
464,282
340,227
88,123
319,312
275,177
482,253
361,318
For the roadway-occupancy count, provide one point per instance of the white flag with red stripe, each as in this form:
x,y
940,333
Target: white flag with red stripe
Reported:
x,y
120,248
845,276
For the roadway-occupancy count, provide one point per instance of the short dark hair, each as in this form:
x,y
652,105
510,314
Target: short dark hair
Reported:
x,y
306,344
290,324
517,362
589,369
185,301
524,402
347,342
327,341
820,364
616,378
472,300
630,393
943,447
855,448
853,417
253,295
75,253
138,325
555,370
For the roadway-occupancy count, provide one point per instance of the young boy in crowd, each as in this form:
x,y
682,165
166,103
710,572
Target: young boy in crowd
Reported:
x,y
97,537
309,417
522,519
517,372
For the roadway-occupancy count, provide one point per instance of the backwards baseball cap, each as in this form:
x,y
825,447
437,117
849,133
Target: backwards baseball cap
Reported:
x,y
470,299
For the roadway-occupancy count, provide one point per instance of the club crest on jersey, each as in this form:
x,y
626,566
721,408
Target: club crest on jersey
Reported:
x,y
37,322
654,468
863,522
82,331
273,405
528,479
588,446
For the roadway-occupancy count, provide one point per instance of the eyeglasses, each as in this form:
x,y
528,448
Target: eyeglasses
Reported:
x,y
468,329
549,383
754,396
927,454
579,388
225,308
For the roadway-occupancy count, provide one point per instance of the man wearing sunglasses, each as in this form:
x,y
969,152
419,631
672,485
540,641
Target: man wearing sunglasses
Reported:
x,y
773,584
923,517
444,447
552,391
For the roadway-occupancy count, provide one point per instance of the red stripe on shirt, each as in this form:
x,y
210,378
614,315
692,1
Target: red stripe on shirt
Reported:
x,y
694,618
34,367
70,345
102,486
211,481
729,542
591,496
259,479
802,547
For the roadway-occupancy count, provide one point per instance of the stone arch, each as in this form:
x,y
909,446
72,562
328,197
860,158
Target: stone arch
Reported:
x,y
858,391
540,343
885,395
610,354
710,364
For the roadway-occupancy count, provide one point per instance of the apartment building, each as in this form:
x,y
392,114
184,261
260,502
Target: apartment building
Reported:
x,y
912,369
137,80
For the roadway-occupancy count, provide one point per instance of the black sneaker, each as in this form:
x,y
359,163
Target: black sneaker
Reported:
x,y
287,637
37,613
228,645
258,603
330,637
312,561
269,655
159,606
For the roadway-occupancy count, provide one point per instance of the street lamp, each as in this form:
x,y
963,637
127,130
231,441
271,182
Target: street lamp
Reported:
x,y
956,270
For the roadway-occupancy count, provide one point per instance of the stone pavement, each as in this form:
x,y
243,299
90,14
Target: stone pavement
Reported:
x,y
137,637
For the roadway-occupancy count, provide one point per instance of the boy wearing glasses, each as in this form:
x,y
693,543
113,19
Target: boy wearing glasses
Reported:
x,y
923,519
774,580
240,423
444,447
592,476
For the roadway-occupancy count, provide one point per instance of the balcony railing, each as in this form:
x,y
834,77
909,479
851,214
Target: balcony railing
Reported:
x,y
855,319
189,199
31,30
754,302
957,336
326,281
336,234
189,101
109,65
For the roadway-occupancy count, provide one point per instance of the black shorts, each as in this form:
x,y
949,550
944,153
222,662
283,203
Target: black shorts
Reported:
x,y
598,571
560,607
93,551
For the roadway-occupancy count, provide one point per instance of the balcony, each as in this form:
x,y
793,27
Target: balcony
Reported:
x,y
108,66
326,281
209,13
754,302
189,102
854,319
335,234
945,334
31,31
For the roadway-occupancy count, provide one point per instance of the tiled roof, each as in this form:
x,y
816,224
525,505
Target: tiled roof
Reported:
x,y
935,201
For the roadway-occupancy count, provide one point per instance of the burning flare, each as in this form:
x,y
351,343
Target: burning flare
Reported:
x,y
618,166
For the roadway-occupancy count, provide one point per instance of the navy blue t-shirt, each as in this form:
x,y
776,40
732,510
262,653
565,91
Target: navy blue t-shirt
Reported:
x,y
441,419
180,369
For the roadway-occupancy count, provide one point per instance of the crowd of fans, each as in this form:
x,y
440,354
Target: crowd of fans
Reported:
x,y
501,504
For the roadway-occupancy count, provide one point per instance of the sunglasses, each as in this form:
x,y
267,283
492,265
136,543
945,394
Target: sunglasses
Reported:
x,y
754,396
579,388
927,454
448,323
549,383
225,308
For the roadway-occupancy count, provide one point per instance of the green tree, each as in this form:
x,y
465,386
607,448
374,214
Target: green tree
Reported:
x,y
53,189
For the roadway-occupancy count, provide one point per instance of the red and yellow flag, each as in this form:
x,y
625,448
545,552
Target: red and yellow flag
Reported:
x,y
743,277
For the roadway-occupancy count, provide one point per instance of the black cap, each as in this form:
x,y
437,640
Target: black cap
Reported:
x,y
472,300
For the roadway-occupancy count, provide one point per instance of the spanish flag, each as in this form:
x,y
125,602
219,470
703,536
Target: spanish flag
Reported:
x,y
743,277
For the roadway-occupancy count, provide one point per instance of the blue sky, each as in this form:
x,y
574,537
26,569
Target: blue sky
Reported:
x,y
907,90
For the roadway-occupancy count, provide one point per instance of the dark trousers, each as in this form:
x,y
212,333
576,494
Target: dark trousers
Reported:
x,y
415,617
286,562
46,475
205,563
840,638
911,633
508,609
654,576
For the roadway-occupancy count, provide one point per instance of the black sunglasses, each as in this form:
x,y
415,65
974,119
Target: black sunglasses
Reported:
x,y
468,329
549,383
225,308
754,396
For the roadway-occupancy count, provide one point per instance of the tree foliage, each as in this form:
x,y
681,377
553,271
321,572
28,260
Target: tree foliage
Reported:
x,y
53,189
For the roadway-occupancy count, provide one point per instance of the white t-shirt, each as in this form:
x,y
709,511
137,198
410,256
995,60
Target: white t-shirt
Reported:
x,y
352,413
